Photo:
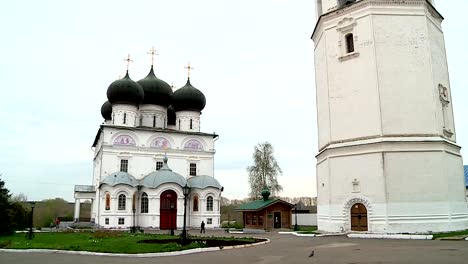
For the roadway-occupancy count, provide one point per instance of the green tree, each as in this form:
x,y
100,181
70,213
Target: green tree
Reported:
x,y
264,172
5,212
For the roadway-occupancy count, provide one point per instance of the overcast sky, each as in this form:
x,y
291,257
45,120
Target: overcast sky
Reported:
x,y
253,61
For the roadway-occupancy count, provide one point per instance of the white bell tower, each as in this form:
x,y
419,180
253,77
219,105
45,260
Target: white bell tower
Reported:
x,y
388,161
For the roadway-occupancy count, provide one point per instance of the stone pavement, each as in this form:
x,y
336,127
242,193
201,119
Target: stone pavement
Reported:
x,y
287,249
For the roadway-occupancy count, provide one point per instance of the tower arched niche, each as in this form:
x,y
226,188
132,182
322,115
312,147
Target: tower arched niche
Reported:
x,y
347,210
122,135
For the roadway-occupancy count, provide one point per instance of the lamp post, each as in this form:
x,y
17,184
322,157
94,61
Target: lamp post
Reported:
x,y
172,219
186,191
33,204
133,227
295,212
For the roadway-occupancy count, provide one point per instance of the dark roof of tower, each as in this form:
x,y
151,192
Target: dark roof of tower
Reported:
x,y
156,90
106,110
125,91
188,98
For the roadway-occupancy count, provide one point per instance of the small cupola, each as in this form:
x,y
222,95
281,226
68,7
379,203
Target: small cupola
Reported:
x,y
265,194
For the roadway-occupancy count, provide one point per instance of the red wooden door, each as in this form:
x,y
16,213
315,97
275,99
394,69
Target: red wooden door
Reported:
x,y
358,217
168,210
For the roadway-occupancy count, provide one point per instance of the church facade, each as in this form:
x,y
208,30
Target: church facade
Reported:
x,y
147,150
388,160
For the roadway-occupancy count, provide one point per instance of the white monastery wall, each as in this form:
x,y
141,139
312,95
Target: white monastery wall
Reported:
x,y
440,76
321,83
152,218
404,72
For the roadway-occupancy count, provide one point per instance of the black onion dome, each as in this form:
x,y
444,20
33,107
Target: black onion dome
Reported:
x,y
156,90
171,116
106,110
188,98
125,91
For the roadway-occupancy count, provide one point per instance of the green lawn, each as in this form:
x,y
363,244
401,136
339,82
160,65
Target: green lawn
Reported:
x,y
306,229
110,242
451,234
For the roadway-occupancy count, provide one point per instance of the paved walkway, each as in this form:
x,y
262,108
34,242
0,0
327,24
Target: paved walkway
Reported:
x,y
287,249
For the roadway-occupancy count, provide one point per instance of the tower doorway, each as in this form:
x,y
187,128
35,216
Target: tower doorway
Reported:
x,y
168,210
358,217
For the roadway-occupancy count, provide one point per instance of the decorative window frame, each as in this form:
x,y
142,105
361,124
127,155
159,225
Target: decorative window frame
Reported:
x,y
197,164
344,27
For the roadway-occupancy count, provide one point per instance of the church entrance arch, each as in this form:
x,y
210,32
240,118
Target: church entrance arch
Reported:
x,y
358,217
168,210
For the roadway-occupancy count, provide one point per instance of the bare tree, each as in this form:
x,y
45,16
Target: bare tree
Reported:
x,y
263,173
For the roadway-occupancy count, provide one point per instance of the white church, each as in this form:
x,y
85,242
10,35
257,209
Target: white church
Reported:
x,y
388,160
147,150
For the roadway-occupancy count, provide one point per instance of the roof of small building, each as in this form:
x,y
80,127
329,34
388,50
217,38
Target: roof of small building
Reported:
x,y
260,204
120,177
203,181
465,168
163,175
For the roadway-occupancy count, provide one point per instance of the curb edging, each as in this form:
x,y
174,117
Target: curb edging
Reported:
x,y
138,255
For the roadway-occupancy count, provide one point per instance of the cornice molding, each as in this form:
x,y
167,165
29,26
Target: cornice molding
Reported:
x,y
333,14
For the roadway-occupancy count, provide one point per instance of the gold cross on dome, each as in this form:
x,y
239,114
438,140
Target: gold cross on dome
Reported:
x,y
152,52
188,67
128,60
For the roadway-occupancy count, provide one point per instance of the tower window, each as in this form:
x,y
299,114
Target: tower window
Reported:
x,y
124,165
191,124
122,202
179,124
141,120
107,201
209,203
193,169
195,204
144,203
125,118
349,43
159,165
154,121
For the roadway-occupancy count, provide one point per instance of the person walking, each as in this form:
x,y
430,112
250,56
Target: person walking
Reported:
x,y
202,230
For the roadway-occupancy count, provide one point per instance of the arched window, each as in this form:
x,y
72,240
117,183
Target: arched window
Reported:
x,y
141,120
195,204
349,43
122,201
154,121
107,201
209,203
191,123
144,203
125,118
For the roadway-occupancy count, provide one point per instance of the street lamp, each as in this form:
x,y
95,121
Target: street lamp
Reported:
x,y
133,227
186,191
33,204
295,212
172,218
